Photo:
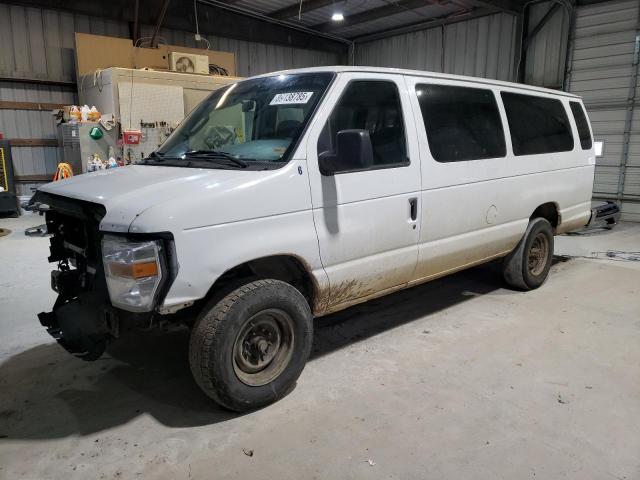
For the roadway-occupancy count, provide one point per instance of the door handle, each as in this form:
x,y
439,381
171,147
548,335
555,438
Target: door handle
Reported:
x,y
413,208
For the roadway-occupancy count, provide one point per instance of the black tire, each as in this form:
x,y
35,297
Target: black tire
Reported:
x,y
527,266
266,326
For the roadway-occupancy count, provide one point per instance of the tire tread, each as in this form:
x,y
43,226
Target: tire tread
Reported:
x,y
206,337
513,267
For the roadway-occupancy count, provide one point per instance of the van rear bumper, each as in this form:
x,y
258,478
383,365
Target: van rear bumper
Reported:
x,y
605,215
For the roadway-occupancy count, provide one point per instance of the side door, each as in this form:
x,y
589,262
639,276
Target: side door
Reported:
x,y
466,184
367,220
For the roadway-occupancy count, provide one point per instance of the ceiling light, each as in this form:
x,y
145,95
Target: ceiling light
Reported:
x,y
337,17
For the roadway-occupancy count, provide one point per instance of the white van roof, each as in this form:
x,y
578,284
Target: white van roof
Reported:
x,y
424,74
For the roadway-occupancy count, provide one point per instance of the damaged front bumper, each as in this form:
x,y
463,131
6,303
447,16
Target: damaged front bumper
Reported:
x,y
85,323
83,320
83,326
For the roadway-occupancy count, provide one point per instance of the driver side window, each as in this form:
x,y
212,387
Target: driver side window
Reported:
x,y
374,106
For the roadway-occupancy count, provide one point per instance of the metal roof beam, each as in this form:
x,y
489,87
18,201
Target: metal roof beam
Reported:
x,y
400,6
309,5
293,10
540,25
392,8
447,19
505,6
528,37
156,30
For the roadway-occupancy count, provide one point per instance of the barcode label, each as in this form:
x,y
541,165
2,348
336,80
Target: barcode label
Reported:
x,y
291,98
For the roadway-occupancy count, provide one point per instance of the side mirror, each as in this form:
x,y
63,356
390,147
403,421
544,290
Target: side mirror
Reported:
x,y
353,152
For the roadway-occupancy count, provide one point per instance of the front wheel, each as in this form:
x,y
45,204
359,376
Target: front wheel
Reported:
x,y
248,350
527,267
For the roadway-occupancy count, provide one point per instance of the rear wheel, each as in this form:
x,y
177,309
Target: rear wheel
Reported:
x,y
527,267
248,350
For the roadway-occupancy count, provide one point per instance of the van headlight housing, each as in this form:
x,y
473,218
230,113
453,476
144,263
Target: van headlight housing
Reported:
x,y
133,271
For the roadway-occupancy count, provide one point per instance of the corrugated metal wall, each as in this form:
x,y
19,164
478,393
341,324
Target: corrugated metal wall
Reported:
x,y
253,58
547,50
32,124
39,44
604,71
482,47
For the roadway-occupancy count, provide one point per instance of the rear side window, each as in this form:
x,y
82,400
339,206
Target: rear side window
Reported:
x,y
582,124
461,123
537,124
372,105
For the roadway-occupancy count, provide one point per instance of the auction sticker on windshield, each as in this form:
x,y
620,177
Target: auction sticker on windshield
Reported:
x,y
291,98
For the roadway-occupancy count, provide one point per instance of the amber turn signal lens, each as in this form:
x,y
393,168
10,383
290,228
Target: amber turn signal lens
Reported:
x,y
134,270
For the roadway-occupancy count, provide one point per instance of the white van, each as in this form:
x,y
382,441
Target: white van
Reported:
x,y
295,194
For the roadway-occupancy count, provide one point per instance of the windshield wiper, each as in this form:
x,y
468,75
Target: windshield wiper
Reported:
x,y
213,155
155,157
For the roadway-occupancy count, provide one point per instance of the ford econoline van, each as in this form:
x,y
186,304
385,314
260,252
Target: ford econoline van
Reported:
x,y
292,195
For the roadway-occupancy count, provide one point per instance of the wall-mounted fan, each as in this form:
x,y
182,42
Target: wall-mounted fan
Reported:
x,y
188,62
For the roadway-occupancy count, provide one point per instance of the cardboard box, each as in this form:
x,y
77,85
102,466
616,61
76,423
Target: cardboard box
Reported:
x,y
97,52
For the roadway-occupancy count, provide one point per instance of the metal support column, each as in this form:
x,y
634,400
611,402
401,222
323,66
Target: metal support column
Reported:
x,y
628,123
571,40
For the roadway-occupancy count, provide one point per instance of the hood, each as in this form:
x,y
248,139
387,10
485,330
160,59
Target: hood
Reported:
x,y
179,197
142,184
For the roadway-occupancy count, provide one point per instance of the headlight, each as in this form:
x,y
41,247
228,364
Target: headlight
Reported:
x,y
133,272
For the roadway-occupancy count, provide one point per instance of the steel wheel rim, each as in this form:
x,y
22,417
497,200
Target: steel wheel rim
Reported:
x,y
538,254
263,347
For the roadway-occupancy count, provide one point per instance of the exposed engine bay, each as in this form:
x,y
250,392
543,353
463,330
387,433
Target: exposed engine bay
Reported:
x,y
83,319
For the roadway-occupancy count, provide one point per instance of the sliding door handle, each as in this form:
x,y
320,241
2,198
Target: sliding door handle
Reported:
x,y
413,208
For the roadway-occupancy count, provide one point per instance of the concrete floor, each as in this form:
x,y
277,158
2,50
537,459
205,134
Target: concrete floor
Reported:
x,y
459,378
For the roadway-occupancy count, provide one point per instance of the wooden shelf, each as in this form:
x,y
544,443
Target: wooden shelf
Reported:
x,y
6,105
33,142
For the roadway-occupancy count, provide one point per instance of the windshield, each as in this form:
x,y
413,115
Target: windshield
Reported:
x,y
253,123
